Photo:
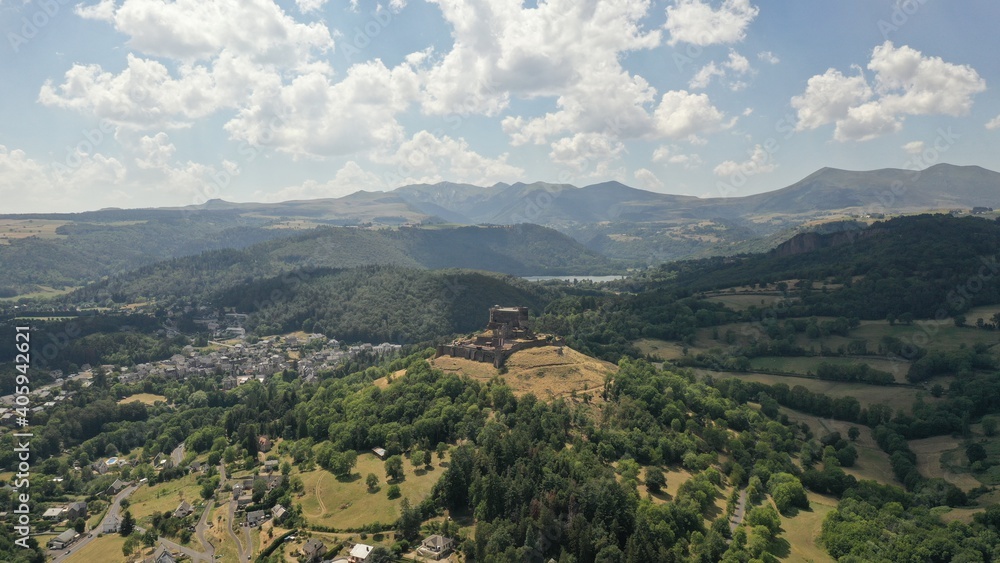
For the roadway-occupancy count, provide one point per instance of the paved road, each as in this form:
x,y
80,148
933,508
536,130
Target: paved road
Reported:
x,y
241,556
113,511
177,455
194,555
200,528
741,507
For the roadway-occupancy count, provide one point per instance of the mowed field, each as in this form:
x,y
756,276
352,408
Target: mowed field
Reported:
x,y
335,503
548,372
809,365
165,496
803,530
929,452
743,301
106,549
144,398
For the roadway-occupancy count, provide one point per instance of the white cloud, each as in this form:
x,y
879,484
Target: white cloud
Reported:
x,y
562,49
648,180
759,162
682,114
914,147
349,179
768,57
695,22
81,181
426,158
994,123
905,83
736,64
586,152
306,6
191,30
155,151
670,155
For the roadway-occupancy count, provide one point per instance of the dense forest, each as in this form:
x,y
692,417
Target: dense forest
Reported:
x,y
517,250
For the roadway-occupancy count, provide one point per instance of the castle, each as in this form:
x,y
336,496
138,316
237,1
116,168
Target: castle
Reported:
x,y
506,332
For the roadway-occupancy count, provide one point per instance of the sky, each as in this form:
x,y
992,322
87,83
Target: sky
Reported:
x,y
147,103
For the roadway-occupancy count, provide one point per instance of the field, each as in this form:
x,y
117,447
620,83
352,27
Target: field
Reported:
x,y
802,530
546,372
105,548
336,503
807,365
895,397
23,228
660,348
144,398
164,497
929,452
742,302
872,462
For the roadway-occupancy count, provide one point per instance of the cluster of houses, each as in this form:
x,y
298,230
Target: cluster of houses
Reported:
x,y
69,512
42,398
434,547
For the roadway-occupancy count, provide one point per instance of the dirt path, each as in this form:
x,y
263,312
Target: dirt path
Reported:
x,y
319,497
738,514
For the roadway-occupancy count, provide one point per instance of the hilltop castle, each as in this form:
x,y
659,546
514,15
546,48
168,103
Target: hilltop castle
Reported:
x,y
506,332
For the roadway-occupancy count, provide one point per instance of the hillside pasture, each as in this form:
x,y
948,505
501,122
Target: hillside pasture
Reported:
x,y
346,503
896,397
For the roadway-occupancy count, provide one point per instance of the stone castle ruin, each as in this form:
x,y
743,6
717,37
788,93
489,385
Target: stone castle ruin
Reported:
x,y
506,332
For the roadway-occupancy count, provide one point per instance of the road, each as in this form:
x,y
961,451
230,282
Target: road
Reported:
x,y
113,511
200,528
741,507
194,555
177,455
241,556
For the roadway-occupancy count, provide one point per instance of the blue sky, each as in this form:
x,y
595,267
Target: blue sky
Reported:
x,y
138,103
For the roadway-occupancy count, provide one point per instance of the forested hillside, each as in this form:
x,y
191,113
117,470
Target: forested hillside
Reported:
x,y
518,250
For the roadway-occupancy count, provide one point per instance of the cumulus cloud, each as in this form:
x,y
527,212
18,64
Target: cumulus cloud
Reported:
x,y
428,158
994,123
81,181
768,57
914,147
683,114
905,83
669,154
306,6
648,180
562,49
587,152
198,30
759,162
736,65
349,179
696,22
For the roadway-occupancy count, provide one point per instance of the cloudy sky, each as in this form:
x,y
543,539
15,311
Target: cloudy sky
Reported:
x,y
137,103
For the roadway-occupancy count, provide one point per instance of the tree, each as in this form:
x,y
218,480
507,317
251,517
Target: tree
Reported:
x,y
655,480
380,555
127,525
409,520
417,458
394,468
372,481
989,425
853,433
441,449
149,538
129,547
960,320
975,452
427,459
393,492
79,525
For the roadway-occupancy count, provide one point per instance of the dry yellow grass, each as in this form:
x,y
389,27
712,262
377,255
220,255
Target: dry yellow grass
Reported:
x,y
929,452
105,548
802,530
164,496
872,462
23,228
546,372
660,348
331,502
144,398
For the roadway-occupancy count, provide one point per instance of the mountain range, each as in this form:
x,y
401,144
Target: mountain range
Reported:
x,y
629,226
